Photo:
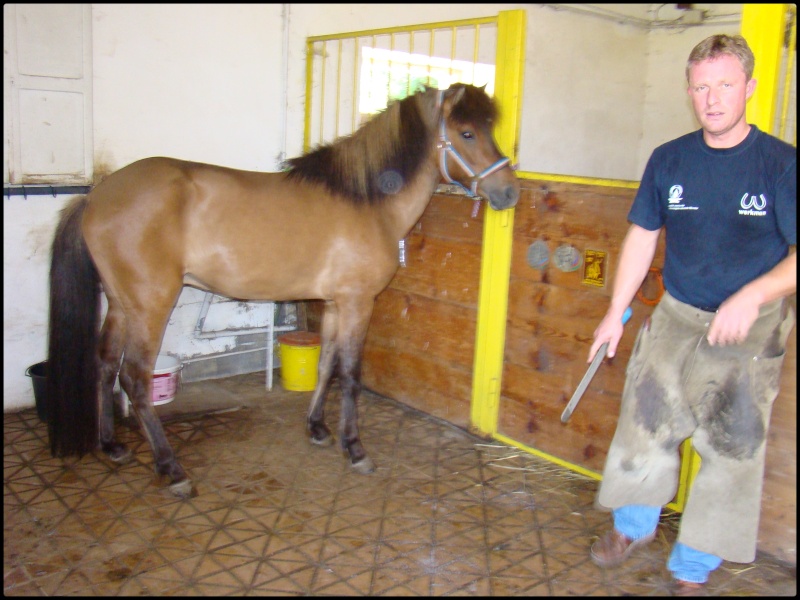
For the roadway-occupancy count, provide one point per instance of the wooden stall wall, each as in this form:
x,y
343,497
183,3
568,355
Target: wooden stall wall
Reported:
x,y
777,533
420,345
421,341
553,313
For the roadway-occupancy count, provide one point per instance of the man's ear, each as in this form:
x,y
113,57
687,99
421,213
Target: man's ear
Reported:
x,y
750,87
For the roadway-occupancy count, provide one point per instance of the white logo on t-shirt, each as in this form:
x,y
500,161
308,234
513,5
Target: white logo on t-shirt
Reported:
x,y
753,206
675,199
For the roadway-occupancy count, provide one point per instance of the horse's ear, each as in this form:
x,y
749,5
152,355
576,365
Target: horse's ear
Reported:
x,y
458,91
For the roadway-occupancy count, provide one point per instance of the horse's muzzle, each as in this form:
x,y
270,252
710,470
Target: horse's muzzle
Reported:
x,y
503,197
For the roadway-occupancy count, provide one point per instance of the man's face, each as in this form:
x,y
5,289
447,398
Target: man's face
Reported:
x,y
719,92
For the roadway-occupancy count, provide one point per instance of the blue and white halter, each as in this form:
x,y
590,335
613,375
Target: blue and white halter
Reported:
x,y
445,147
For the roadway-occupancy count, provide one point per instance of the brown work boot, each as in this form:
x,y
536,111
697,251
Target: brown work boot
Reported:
x,y
613,548
688,588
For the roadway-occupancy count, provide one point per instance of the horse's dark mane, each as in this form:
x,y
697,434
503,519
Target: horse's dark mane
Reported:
x,y
387,151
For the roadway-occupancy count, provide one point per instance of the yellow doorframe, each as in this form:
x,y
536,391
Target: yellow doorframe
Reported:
x,y
764,27
498,229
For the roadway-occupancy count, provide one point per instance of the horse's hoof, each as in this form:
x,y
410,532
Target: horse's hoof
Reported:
x,y
118,453
363,467
326,441
182,489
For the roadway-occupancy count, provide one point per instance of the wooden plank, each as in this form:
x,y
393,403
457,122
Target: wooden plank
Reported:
x,y
777,532
440,269
413,323
421,340
540,429
436,387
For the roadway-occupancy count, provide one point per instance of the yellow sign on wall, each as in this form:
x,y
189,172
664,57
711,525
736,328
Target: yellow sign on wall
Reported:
x,y
594,267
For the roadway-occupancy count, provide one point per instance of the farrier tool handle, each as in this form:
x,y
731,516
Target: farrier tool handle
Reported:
x,y
587,378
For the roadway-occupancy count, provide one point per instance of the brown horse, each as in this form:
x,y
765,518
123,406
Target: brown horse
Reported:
x,y
326,228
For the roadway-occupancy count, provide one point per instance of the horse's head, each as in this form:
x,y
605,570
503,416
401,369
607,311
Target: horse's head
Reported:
x,y
468,154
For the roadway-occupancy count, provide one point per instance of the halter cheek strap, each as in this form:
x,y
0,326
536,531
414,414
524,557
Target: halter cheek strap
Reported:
x,y
445,148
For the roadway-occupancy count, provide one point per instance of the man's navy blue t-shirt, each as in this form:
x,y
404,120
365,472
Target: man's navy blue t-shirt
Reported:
x,y
729,214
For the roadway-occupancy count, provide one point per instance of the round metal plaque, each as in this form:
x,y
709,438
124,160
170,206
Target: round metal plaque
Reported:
x,y
567,258
538,255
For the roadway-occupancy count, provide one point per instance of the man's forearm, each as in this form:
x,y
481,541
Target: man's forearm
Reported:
x,y
636,256
781,281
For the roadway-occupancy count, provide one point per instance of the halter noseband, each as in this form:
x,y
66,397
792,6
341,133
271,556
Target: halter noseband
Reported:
x,y
445,147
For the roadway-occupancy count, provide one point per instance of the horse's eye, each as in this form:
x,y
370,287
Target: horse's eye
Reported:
x,y
467,135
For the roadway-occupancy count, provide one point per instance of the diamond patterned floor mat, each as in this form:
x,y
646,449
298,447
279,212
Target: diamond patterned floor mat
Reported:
x,y
445,514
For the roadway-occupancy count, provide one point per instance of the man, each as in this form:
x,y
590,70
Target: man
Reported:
x,y
706,365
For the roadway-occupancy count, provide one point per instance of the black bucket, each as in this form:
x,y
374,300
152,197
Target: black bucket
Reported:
x,y
38,374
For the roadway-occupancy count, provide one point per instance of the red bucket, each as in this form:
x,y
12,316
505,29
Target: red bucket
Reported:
x,y
166,377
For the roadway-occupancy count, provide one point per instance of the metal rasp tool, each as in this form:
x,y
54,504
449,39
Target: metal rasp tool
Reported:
x,y
587,378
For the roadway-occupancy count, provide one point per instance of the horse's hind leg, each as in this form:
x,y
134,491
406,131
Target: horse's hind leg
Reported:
x,y
147,310
136,378
318,431
109,354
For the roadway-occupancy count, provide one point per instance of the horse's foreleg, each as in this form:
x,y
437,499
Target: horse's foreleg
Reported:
x,y
136,378
350,382
318,431
352,333
109,354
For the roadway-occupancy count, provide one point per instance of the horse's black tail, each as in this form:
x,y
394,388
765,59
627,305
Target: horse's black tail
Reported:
x,y
72,371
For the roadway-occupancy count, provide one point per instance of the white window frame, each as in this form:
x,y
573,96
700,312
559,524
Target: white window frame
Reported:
x,y
20,151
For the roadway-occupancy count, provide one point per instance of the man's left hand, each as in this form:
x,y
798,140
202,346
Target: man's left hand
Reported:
x,y
733,321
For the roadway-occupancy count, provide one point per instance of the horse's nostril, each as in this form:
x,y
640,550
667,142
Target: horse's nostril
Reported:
x,y
504,198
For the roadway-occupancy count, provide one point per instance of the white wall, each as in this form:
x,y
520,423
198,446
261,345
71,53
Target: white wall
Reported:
x,y
199,82
582,103
28,226
226,84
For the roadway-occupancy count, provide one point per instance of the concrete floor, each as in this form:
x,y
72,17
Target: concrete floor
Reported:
x,y
445,513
